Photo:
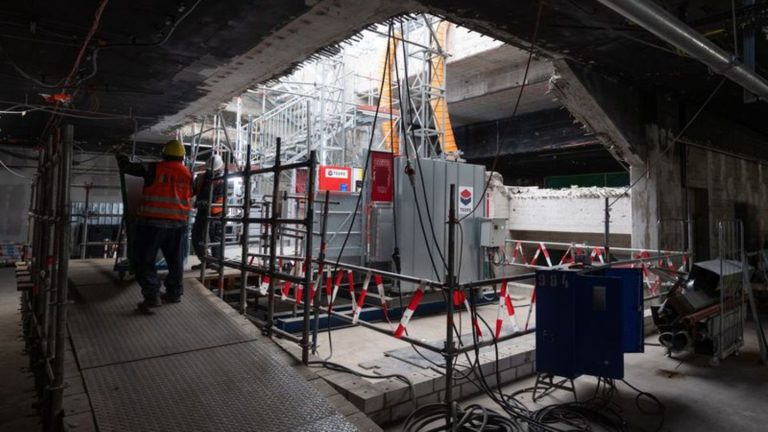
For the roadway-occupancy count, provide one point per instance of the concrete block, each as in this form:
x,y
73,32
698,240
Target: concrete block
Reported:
x,y
324,388
509,375
308,373
76,404
504,362
82,422
73,386
439,383
342,405
424,387
395,392
518,359
402,410
366,398
365,424
488,368
524,370
343,386
430,398
468,389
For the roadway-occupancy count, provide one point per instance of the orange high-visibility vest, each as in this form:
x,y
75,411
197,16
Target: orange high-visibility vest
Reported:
x,y
217,210
169,196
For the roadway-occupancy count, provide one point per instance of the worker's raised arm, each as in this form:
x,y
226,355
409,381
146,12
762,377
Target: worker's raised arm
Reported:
x,y
137,169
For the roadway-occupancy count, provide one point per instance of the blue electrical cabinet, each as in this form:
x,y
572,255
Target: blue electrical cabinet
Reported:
x,y
556,323
585,323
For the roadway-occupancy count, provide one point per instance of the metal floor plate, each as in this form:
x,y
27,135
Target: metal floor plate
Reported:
x,y
239,387
106,328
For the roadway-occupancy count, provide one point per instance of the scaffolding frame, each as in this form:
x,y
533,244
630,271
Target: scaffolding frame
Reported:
x,y
272,224
44,307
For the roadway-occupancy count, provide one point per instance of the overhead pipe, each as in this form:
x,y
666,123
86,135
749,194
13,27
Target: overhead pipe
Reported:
x,y
658,21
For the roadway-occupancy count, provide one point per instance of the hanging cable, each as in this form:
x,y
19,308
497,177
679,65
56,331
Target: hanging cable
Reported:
x,y
523,84
671,143
360,196
13,172
418,160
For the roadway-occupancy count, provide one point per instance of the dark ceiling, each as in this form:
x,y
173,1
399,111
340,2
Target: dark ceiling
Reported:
x,y
150,62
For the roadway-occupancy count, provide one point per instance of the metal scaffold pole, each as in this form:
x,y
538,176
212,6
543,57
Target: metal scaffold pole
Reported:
x,y
62,284
309,222
245,236
222,227
321,260
273,239
451,288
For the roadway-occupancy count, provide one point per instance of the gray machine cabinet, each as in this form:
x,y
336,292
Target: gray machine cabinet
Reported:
x,y
438,175
340,211
381,225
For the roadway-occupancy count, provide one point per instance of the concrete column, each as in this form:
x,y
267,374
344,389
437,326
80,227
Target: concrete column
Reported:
x,y
657,195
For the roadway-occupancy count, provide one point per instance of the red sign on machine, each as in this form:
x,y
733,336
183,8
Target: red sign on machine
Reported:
x,y
335,178
382,171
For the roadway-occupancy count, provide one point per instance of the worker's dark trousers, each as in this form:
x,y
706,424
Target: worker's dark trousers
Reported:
x,y
149,240
198,235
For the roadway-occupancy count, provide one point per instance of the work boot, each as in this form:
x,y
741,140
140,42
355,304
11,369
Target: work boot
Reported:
x,y
145,307
167,298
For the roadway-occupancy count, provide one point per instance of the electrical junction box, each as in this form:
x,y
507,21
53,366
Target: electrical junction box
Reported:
x,y
493,232
585,323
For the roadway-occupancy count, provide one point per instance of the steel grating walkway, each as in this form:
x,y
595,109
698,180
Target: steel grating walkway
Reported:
x,y
189,367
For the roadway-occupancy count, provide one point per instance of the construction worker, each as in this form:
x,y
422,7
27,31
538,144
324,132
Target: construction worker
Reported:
x,y
161,224
202,190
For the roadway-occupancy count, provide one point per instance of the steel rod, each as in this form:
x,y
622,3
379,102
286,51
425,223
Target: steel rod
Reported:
x,y
273,240
321,258
222,225
246,211
390,275
275,168
310,211
451,285
63,277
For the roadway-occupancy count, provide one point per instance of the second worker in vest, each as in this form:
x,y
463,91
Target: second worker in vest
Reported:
x,y
202,189
161,225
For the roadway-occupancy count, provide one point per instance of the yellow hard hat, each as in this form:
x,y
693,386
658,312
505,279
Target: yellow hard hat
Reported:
x,y
174,148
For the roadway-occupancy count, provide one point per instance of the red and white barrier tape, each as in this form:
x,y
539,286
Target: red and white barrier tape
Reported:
x,y
539,250
351,282
519,249
505,304
408,313
361,299
264,285
380,289
530,307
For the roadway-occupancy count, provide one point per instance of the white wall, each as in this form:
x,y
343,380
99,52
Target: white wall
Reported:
x,y
570,210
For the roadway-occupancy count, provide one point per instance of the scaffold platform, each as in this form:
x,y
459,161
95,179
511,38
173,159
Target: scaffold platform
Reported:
x,y
192,366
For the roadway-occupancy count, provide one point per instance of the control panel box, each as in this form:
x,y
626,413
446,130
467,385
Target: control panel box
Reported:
x,y
493,232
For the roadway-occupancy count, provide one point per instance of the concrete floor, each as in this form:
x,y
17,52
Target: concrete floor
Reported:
x,y
696,396
355,345
17,394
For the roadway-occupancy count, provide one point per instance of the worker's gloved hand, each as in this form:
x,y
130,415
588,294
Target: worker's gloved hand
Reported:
x,y
122,159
